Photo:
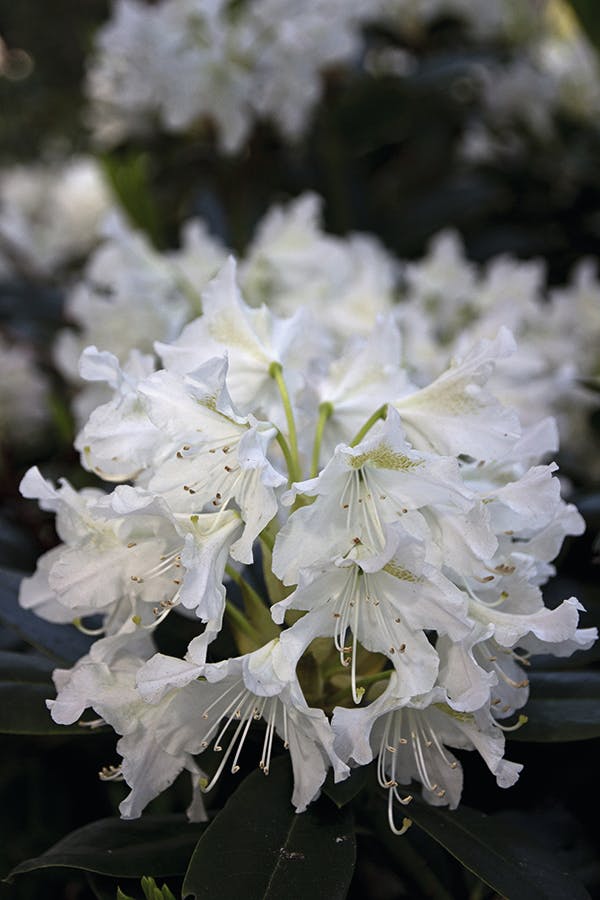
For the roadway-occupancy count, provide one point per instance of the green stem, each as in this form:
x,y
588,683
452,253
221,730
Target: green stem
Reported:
x,y
380,413
287,453
243,585
268,534
239,619
276,372
325,412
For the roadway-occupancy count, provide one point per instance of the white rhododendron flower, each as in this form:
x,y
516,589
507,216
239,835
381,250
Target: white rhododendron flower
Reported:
x,y
142,307
50,215
180,62
405,524
180,65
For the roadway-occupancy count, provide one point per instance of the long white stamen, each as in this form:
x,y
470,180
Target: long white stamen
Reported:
x,y
266,759
226,755
234,765
357,695
419,756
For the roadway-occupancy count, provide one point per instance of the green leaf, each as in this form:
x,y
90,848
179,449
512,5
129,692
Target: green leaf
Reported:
x,y
258,614
563,706
154,845
129,177
25,685
276,588
500,856
62,642
25,667
151,891
345,791
259,848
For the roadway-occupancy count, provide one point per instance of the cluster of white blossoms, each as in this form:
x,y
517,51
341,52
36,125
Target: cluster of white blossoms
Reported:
x,y
178,63
49,215
556,73
448,302
131,295
405,532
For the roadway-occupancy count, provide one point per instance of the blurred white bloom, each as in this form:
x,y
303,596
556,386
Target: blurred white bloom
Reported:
x,y
449,303
292,262
178,63
50,214
133,297
130,296
24,397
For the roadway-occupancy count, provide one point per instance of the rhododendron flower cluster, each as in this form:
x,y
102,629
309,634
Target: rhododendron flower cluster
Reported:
x,y
267,60
131,298
376,548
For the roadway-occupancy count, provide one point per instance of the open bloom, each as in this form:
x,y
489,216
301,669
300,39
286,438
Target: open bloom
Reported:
x,y
411,740
239,692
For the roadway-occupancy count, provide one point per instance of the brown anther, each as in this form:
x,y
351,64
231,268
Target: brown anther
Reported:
x,y
402,648
186,447
345,505
179,454
131,544
227,468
